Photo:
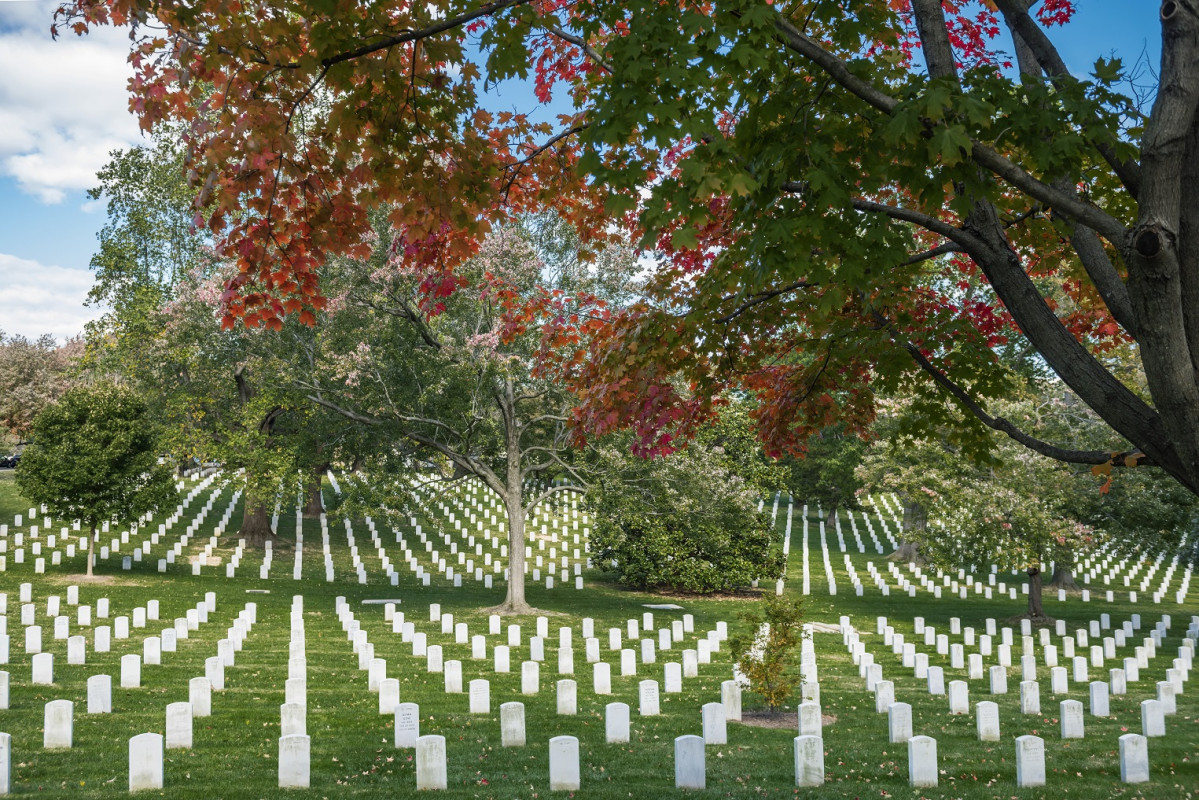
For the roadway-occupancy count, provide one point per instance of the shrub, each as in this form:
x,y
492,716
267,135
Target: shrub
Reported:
x,y
766,651
685,522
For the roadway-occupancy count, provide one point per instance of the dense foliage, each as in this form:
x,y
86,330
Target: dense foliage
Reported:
x,y
845,199
689,521
33,373
95,458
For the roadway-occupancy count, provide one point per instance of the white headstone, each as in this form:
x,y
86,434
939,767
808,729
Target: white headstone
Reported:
x,y
1153,721
959,697
512,724
1134,758
568,692
616,723
1030,761
59,724
564,763
689,768
899,723
43,669
730,695
1072,721
715,726
987,720
293,720
1100,706
407,725
199,693
809,760
922,762
294,761
145,762
480,696
179,726
1030,697
131,671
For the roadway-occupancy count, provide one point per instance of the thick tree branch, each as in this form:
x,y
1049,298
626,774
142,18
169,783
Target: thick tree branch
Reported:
x,y
1102,273
934,38
1106,225
1003,425
1026,30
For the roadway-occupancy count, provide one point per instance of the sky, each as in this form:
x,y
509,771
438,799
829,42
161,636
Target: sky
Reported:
x,y
64,108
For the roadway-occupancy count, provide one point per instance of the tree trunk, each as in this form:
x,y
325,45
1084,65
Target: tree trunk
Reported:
x,y
515,602
915,518
312,489
91,549
907,551
1035,611
255,523
1063,573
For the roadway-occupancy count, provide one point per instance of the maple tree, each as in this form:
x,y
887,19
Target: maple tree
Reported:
x,y
846,199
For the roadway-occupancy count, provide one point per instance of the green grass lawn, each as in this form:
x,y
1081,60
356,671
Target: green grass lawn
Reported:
x,y
352,754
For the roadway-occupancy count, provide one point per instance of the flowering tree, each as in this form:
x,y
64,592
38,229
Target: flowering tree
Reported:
x,y
33,374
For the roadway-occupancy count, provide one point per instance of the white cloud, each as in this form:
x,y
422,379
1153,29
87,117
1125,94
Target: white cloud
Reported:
x,y
40,298
63,104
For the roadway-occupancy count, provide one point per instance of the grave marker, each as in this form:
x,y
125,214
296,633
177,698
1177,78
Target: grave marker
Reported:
x,y
145,762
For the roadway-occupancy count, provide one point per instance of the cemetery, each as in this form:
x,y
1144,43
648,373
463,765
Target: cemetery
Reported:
x,y
349,658
520,399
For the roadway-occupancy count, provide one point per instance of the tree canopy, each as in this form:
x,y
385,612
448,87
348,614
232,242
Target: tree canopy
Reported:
x,y
843,198
94,457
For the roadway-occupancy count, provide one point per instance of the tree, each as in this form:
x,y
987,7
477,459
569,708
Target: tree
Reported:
x,y
470,373
813,186
1021,510
765,652
94,457
32,375
825,473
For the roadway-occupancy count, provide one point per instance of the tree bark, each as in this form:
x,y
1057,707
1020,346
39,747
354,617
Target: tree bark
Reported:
x,y
312,489
1063,574
915,518
255,522
91,549
1035,610
515,602
907,552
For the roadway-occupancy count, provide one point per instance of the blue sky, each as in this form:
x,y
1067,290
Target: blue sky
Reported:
x,y
63,108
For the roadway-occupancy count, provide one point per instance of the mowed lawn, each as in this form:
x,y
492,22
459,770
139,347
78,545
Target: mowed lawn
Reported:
x,y
235,751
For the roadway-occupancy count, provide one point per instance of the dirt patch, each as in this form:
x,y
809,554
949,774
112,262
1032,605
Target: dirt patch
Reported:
x,y
98,580
779,719
1037,622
